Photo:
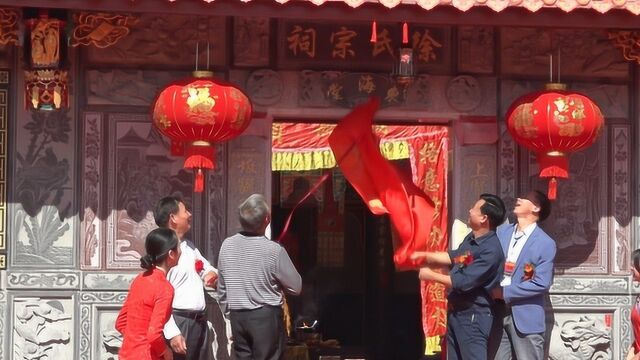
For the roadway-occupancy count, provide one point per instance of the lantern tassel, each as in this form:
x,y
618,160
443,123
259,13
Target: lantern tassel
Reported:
x,y
199,157
198,185
553,189
374,32
405,33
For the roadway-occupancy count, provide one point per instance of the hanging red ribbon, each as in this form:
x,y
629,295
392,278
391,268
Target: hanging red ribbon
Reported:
x,y
374,32
405,33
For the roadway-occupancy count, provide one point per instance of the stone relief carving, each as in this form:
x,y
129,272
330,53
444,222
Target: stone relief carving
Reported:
x,y
167,40
251,41
43,280
583,53
3,312
507,163
103,297
575,224
587,338
85,332
589,300
265,87
111,342
144,172
42,329
590,285
613,100
108,281
312,92
127,87
475,49
42,179
464,93
107,338
216,209
621,190
91,226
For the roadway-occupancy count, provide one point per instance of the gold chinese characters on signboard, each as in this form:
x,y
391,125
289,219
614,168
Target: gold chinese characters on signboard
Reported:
x,y
351,42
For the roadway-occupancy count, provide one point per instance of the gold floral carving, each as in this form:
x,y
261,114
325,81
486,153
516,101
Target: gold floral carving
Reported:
x,y
9,26
628,42
45,42
100,29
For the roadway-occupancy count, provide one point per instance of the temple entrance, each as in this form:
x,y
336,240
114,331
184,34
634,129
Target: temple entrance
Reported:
x,y
354,303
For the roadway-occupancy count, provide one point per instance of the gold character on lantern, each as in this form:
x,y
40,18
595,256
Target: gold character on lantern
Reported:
x,y
382,44
200,104
425,44
568,115
366,84
523,122
302,40
341,41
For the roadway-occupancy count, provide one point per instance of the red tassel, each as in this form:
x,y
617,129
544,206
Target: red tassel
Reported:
x,y
374,32
199,157
198,185
553,189
405,33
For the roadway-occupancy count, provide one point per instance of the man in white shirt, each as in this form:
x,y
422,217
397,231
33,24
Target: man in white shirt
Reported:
x,y
186,329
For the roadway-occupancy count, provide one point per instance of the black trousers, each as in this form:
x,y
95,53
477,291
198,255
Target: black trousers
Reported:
x,y
468,333
258,334
196,335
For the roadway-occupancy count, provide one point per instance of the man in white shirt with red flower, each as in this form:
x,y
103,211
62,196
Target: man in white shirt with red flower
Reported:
x,y
186,330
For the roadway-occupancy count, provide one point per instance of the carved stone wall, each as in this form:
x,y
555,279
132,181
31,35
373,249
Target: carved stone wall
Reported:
x,y
82,182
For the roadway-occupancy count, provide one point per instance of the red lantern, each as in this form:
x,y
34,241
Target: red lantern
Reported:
x,y
552,123
196,112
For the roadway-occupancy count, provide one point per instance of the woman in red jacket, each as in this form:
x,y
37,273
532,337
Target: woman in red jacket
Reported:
x,y
634,350
148,305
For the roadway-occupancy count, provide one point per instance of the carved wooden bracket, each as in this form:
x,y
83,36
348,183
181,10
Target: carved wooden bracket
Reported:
x,y
627,41
9,19
100,29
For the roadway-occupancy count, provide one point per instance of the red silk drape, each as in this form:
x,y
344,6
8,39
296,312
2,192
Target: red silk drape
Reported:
x,y
301,146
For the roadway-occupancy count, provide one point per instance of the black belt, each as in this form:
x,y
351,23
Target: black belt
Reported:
x,y
194,315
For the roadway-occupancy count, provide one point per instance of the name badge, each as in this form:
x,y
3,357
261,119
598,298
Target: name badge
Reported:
x,y
509,267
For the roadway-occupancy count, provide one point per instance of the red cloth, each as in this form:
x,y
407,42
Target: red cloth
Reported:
x,y
142,318
379,184
635,324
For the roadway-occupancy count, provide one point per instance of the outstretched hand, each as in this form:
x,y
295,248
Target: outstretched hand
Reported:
x,y
211,279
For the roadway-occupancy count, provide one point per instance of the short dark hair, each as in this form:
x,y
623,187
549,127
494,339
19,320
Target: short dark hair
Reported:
x,y
635,258
157,245
164,208
542,201
494,209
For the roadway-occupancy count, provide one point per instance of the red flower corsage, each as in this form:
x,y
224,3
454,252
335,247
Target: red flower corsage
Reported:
x,y
199,266
464,259
528,272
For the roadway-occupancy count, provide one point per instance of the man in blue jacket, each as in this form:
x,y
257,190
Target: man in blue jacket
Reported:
x,y
475,269
528,274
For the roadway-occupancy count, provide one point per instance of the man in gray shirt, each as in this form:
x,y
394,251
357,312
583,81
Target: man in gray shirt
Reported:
x,y
253,273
